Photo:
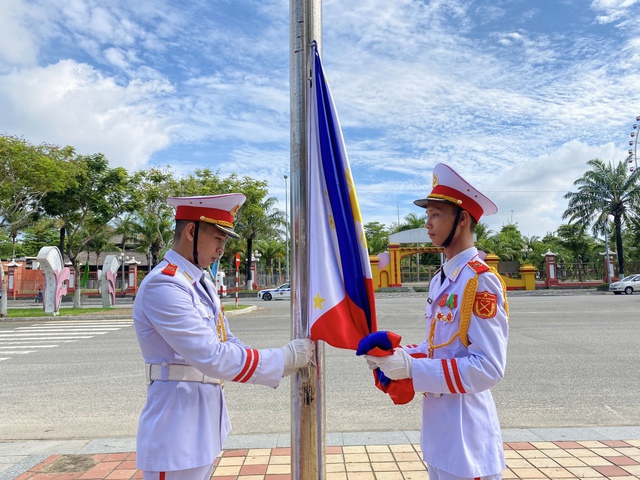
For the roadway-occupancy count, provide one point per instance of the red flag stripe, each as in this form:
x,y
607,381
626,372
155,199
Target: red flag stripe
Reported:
x,y
162,475
456,375
250,365
447,376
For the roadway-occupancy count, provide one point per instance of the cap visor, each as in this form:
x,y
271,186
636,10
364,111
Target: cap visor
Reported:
x,y
227,230
423,202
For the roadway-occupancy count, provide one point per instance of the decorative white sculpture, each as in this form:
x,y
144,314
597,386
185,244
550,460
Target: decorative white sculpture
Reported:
x,y
108,280
55,274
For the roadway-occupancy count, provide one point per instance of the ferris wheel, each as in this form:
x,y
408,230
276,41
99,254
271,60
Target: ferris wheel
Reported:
x,y
633,147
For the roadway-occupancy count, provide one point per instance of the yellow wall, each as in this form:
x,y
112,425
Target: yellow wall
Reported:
x,y
390,274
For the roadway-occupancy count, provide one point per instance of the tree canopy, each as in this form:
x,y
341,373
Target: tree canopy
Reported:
x,y
607,189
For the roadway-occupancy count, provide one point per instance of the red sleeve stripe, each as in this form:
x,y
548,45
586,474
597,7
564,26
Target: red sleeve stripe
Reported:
x,y
162,475
250,365
447,376
456,375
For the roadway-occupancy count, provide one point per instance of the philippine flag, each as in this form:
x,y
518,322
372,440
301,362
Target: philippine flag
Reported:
x,y
341,299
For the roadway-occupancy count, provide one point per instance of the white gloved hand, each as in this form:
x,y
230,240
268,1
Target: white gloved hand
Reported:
x,y
396,366
297,354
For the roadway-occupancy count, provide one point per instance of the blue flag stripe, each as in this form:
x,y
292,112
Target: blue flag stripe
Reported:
x,y
338,192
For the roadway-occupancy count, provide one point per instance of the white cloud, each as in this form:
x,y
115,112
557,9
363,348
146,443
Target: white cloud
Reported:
x,y
73,104
533,192
612,10
492,89
17,45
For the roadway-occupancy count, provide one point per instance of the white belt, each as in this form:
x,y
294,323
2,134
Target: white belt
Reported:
x,y
177,373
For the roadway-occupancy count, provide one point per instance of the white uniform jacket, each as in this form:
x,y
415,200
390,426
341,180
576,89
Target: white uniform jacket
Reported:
x,y
461,431
184,424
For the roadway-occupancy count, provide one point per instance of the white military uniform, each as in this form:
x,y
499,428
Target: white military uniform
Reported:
x,y
461,431
184,424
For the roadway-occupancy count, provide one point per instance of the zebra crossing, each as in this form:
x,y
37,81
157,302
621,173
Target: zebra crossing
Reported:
x,y
38,336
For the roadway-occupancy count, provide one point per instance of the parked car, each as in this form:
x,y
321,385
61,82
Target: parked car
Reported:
x,y
283,291
628,285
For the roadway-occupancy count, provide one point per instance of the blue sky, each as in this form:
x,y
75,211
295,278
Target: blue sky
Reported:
x,y
515,95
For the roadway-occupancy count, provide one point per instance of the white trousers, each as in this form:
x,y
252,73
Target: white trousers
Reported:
x,y
200,473
437,474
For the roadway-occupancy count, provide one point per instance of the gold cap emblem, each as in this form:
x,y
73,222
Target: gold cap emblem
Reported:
x,y
435,180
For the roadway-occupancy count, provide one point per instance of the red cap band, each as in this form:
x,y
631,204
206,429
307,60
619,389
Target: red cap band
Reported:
x,y
457,198
212,215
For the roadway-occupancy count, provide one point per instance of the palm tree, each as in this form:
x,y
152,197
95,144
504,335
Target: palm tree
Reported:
x,y
574,238
125,226
271,250
483,238
411,221
258,220
154,234
605,190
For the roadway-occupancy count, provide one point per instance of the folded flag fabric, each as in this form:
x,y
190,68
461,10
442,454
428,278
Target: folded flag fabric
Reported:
x,y
380,344
341,304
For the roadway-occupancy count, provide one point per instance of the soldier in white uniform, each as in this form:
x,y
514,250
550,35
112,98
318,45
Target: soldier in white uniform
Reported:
x,y
464,355
189,350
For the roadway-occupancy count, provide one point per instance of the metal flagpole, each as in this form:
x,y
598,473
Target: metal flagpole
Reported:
x,y
307,386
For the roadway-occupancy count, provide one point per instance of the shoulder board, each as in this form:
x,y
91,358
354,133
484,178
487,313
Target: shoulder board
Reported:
x,y
478,266
170,269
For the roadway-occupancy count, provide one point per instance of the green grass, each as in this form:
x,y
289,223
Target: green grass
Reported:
x,y
230,308
38,312
68,311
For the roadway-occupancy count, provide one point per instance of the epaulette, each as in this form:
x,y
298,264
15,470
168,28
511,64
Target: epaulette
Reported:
x,y
170,269
478,266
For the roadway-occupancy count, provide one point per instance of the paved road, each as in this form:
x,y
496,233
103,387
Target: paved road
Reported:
x,y
573,361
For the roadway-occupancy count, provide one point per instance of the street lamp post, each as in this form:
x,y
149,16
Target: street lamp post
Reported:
x,y
286,230
256,257
526,250
606,245
122,259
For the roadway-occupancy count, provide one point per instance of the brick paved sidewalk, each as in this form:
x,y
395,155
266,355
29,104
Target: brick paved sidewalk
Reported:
x,y
612,459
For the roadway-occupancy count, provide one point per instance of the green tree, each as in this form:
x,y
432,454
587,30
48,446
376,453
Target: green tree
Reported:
x,y
40,234
411,222
101,242
272,250
574,238
377,237
125,226
508,243
258,218
85,208
27,174
151,223
606,189
483,238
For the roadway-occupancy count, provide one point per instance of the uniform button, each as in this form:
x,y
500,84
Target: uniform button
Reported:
x,y
164,364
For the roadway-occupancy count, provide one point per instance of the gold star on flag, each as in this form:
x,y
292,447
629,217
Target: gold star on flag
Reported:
x,y
318,301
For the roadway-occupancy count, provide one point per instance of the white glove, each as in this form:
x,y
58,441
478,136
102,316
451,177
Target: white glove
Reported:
x,y
396,366
297,354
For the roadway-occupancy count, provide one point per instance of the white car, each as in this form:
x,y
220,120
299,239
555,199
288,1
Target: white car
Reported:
x,y
628,285
283,291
